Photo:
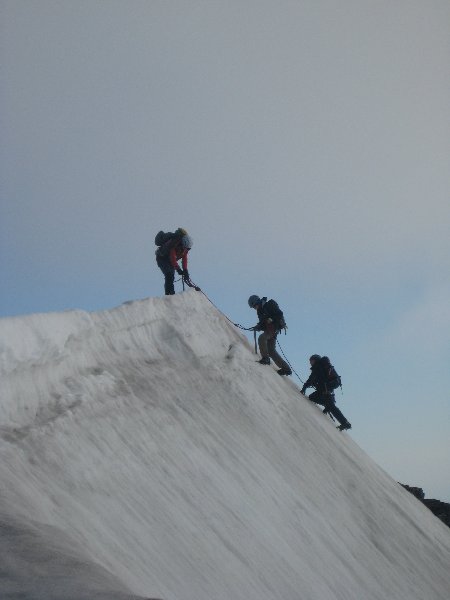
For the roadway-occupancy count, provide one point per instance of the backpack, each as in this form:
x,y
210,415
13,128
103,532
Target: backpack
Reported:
x,y
166,241
272,309
161,237
333,380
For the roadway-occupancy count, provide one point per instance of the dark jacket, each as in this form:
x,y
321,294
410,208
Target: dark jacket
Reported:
x,y
322,373
270,315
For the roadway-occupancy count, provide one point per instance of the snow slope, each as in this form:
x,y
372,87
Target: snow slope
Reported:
x,y
145,453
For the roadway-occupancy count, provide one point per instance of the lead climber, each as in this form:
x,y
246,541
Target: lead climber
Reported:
x,y
173,247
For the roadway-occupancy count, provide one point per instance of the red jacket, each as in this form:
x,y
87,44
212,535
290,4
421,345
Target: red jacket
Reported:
x,y
176,253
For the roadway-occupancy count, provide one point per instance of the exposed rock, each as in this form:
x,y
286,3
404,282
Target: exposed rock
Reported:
x,y
438,508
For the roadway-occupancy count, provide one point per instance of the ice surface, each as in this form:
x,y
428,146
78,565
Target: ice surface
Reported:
x,y
145,453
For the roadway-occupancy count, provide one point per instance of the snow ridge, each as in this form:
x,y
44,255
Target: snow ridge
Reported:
x,y
150,455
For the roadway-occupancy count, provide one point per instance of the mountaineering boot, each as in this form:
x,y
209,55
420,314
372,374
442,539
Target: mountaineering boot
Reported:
x,y
265,360
345,425
284,372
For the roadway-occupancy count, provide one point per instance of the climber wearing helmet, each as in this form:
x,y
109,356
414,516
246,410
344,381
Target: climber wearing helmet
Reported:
x,y
173,247
270,322
325,380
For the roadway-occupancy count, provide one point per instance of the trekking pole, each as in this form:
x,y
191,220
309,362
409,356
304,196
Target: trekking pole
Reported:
x,y
330,415
254,336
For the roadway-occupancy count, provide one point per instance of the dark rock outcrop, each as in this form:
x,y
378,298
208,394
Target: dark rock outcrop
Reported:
x,y
438,508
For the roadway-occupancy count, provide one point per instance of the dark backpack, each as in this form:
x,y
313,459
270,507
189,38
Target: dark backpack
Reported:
x,y
161,237
333,380
166,241
272,310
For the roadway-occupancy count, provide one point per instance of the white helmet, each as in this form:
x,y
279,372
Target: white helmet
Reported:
x,y
187,241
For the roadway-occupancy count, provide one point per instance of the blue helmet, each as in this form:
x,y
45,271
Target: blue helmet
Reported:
x,y
254,300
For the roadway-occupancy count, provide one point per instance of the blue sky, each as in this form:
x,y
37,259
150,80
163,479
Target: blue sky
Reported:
x,y
305,147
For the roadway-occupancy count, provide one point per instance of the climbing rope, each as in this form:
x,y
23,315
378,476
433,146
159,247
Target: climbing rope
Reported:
x,y
196,287
244,328
189,283
291,367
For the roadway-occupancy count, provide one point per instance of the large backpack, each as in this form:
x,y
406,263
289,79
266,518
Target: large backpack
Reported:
x,y
161,237
333,380
166,241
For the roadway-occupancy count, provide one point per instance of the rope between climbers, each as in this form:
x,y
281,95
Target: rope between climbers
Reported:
x,y
192,284
291,367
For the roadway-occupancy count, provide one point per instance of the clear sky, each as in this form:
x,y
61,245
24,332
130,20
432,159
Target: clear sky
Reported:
x,y
304,145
